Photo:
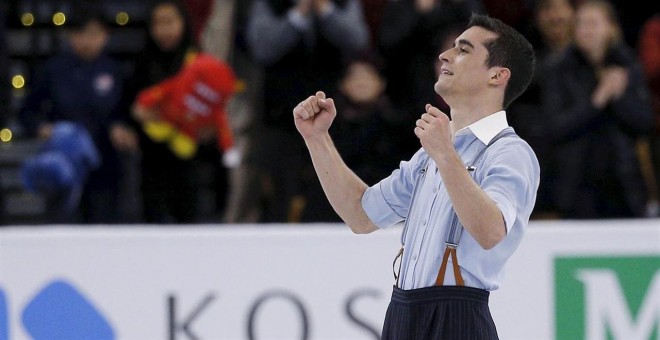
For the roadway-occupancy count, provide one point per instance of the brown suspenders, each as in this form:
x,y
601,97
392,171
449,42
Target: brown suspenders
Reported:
x,y
450,249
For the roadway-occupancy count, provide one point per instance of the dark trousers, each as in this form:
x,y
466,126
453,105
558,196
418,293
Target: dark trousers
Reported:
x,y
440,312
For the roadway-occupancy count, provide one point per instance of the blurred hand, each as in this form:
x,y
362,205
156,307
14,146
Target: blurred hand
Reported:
x,y
617,77
424,6
123,138
142,114
434,131
612,86
232,158
321,6
45,131
304,7
314,115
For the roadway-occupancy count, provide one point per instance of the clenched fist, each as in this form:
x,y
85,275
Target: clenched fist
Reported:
x,y
314,115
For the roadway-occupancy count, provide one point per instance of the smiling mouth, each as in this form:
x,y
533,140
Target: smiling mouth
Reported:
x,y
444,71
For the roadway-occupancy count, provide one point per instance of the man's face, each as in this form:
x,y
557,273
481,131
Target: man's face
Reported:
x,y
555,20
362,83
167,27
88,42
593,29
463,68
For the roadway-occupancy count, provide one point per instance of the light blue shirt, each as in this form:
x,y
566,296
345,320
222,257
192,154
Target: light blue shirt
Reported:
x,y
509,174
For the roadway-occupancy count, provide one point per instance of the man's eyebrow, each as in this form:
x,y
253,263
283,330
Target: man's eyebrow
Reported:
x,y
464,42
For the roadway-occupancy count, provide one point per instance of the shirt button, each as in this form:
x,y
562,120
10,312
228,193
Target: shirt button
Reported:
x,y
424,223
435,190
414,257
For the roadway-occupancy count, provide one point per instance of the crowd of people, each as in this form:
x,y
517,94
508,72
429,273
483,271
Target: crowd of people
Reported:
x,y
591,114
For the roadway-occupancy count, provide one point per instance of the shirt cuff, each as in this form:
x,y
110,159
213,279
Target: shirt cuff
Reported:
x,y
377,209
508,212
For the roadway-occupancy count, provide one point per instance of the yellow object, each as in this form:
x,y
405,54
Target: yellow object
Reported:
x,y
18,81
158,131
5,135
183,146
122,18
59,19
27,19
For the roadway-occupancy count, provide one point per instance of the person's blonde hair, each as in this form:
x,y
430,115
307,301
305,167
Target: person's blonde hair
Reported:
x,y
610,13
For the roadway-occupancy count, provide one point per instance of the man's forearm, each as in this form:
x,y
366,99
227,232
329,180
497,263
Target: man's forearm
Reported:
x,y
342,187
477,212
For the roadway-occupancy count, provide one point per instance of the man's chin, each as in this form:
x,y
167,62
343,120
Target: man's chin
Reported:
x,y
439,88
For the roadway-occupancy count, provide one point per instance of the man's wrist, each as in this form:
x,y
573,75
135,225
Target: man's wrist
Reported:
x,y
320,139
447,159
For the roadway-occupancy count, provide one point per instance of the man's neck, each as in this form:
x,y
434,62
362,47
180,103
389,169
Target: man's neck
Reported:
x,y
460,118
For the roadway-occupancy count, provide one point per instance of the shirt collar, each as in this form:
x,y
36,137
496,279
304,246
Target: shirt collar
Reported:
x,y
488,127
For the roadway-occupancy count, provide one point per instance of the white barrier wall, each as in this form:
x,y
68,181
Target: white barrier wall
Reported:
x,y
568,280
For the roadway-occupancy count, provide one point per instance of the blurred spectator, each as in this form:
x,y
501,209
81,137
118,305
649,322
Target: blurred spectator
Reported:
x,y
300,44
59,170
170,182
597,107
366,124
649,51
410,36
554,26
554,20
83,85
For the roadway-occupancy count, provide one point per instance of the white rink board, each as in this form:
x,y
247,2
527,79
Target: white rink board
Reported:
x,y
147,281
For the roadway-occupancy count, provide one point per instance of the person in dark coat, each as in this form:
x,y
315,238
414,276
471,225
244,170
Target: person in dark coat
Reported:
x,y
83,85
170,185
554,31
300,44
597,106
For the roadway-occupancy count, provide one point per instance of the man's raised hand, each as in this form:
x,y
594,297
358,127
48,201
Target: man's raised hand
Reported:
x,y
434,131
314,115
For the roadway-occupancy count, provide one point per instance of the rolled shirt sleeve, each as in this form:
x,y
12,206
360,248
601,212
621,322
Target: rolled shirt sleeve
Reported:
x,y
387,202
511,180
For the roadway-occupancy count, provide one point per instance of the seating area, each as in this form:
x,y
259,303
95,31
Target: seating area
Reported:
x,y
35,30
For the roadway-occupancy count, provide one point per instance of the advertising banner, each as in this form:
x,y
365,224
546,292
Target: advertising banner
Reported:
x,y
568,280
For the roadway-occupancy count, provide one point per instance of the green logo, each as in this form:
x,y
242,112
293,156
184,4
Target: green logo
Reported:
x,y
607,297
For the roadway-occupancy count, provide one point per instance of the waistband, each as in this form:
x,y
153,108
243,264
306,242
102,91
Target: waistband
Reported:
x,y
439,293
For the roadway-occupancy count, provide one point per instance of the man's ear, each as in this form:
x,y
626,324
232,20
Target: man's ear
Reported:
x,y
499,75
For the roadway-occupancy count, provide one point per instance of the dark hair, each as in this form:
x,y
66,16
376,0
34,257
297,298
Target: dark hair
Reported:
x,y
545,4
511,50
367,56
187,38
157,64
